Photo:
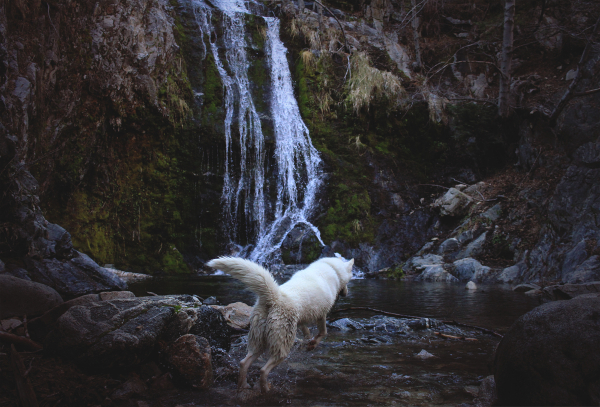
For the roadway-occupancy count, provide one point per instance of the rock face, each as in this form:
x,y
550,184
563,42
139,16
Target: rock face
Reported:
x,y
77,276
20,297
39,327
94,76
550,356
122,333
190,358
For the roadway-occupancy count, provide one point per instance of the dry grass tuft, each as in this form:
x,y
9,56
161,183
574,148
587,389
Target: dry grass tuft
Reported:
x,y
368,83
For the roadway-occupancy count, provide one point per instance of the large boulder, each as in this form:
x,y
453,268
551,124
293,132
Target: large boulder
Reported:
x,y
550,356
20,297
568,291
40,326
211,324
125,332
236,314
436,273
190,358
74,277
470,269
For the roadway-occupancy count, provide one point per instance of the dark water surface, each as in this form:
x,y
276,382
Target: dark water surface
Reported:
x,y
346,369
490,306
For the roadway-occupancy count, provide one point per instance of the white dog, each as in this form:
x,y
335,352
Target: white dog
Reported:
x,y
280,309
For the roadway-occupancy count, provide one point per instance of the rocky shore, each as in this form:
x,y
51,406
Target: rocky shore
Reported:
x,y
112,348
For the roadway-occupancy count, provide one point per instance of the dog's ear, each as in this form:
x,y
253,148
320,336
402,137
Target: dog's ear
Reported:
x,y
350,264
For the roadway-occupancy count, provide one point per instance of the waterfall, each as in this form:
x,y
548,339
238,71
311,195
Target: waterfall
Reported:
x,y
297,162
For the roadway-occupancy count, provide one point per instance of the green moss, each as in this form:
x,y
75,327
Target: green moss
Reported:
x,y
396,272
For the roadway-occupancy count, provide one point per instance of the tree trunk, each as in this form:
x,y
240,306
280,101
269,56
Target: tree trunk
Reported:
x,y
506,61
416,34
320,9
568,94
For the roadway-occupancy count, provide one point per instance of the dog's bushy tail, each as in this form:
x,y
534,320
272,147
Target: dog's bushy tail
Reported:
x,y
254,276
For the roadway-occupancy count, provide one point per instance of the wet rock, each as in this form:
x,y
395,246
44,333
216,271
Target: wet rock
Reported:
x,y
210,301
16,271
225,367
120,333
116,295
376,340
132,387
474,248
127,276
494,213
568,291
471,286
210,324
346,324
573,259
40,326
414,263
424,355
550,356
453,203
523,288
470,269
487,394
423,323
388,325
587,271
237,314
75,277
465,237
20,297
436,273
8,325
301,245
512,273
537,293
448,245
190,358
427,247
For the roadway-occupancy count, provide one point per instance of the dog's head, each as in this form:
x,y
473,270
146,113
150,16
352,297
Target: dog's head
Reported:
x,y
346,276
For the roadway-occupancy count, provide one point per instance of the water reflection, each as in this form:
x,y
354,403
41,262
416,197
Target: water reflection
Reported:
x,y
489,306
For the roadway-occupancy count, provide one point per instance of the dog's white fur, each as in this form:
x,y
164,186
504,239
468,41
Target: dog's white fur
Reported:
x,y
280,309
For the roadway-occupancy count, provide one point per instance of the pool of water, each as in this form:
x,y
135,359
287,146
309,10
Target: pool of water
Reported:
x,y
490,306
346,369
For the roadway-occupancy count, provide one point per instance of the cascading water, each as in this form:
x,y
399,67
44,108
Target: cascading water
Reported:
x,y
297,162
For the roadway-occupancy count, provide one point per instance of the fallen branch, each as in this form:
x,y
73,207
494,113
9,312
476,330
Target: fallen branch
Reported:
x,y
377,311
587,92
20,340
462,338
340,24
26,393
488,331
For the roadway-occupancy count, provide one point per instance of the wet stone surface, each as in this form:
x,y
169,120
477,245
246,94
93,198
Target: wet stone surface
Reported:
x,y
384,361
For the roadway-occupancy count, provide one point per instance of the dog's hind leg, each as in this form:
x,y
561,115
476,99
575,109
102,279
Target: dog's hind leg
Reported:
x,y
322,325
266,369
244,365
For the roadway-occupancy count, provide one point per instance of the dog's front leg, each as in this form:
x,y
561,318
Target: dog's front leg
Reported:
x,y
322,326
305,331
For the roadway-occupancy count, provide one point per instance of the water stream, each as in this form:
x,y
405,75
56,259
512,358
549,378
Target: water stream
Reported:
x,y
377,367
297,162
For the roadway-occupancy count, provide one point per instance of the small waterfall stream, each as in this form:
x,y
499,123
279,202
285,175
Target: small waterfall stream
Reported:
x,y
297,162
